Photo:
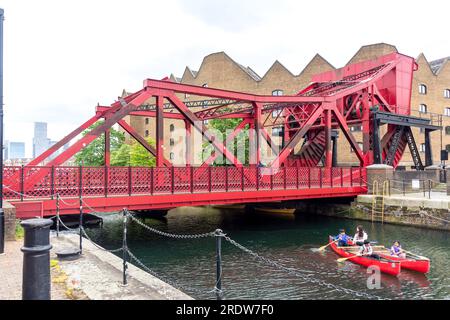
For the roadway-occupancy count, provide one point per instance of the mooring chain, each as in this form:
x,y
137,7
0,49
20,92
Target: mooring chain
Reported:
x,y
171,235
99,247
299,273
163,278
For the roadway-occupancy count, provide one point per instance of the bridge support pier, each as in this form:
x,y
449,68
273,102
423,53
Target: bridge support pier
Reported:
x,y
379,173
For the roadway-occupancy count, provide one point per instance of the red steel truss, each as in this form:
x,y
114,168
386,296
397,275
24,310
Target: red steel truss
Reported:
x,y
334,100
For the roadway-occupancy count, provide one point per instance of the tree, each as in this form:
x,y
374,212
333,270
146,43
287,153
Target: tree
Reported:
x,y
241,142
121,156
140,157
94,153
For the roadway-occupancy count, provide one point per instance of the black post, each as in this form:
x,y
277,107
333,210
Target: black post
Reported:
x,y
124,247
334,139
429,189
22,183
428,152
81,225
36,259
376,141
219,234
2,214
57,215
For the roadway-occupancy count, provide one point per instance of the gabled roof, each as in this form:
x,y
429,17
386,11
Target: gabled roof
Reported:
x,y
437,65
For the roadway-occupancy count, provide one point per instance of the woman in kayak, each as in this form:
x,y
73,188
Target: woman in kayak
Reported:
x,y
366,250
397,251
360,236
342,238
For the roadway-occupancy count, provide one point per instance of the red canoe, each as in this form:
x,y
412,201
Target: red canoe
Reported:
x,y
389,266
411,262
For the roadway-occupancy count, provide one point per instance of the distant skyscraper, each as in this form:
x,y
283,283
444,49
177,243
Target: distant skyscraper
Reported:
x,y
40,140
16,150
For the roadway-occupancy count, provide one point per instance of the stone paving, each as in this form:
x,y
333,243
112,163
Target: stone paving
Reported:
x,y
11,274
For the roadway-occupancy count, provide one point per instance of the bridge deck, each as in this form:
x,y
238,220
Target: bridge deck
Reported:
x,y
35,190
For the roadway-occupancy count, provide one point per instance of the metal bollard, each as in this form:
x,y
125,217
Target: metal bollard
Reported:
x,y
36,259
219,234
124,247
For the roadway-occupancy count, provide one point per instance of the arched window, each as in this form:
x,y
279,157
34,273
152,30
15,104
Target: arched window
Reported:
x,y
447,112
423,108
147,133
147,120
172,155
447,93
172,127
422,89
172,142
277,92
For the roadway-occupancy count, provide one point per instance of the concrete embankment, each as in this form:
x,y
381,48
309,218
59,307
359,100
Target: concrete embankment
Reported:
x,y
408,210
98,274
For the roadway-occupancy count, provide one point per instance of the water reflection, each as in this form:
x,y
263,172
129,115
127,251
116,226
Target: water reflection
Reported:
x,y
287,239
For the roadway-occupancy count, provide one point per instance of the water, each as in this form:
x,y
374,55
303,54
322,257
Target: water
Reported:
x,y
288,240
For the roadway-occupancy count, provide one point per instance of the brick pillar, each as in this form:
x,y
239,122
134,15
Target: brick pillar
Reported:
x,y
10,221
380,173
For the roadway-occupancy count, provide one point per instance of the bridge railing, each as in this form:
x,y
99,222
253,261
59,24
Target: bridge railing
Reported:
x,y
45,182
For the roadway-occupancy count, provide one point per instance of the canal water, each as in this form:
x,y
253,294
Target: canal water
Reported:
x,y
291,241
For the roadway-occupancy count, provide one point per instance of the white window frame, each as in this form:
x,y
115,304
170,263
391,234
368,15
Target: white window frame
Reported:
x,y
422,147
277,92
423,108
447,111
423,89
447,93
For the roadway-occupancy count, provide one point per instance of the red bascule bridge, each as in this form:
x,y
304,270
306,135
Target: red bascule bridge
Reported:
x,y
371,94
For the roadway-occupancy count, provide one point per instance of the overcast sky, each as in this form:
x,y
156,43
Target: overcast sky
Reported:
x,y
62,57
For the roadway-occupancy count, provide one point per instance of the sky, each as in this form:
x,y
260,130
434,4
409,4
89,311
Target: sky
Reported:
x,y
61,58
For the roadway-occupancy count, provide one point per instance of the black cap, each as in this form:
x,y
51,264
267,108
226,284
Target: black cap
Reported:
x,y
341,230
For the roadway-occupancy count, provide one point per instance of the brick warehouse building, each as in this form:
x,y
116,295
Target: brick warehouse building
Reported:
x,y
430,98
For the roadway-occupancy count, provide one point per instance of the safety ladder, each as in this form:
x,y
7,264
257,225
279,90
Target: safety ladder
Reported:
x,y
378,199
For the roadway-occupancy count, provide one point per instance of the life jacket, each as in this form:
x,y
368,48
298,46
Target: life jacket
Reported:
x,y
396,250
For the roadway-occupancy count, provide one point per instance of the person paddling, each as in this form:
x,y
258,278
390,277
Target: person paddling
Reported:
x,y
360,236
397,251
342,238
367,250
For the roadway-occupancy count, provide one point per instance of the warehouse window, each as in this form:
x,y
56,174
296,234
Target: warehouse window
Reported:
x,y
422,147
423,108
277,92
447,148
172,156
447,112
147,120
277,131
356,128
172,142
422,89
172,128
147,133
447,93
276,113
447,130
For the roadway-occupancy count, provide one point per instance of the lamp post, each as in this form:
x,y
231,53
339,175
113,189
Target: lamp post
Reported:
x,y
2,214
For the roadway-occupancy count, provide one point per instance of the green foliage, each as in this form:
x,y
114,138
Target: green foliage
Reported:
x,y
241,142
140,157
121,156
20,233
94,153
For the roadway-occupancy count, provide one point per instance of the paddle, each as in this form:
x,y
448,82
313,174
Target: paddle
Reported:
x,y
324,247
345,259
415,255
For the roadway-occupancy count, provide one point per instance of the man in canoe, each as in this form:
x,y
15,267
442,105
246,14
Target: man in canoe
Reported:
x,y
397,251
367,250
342,238
360,236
